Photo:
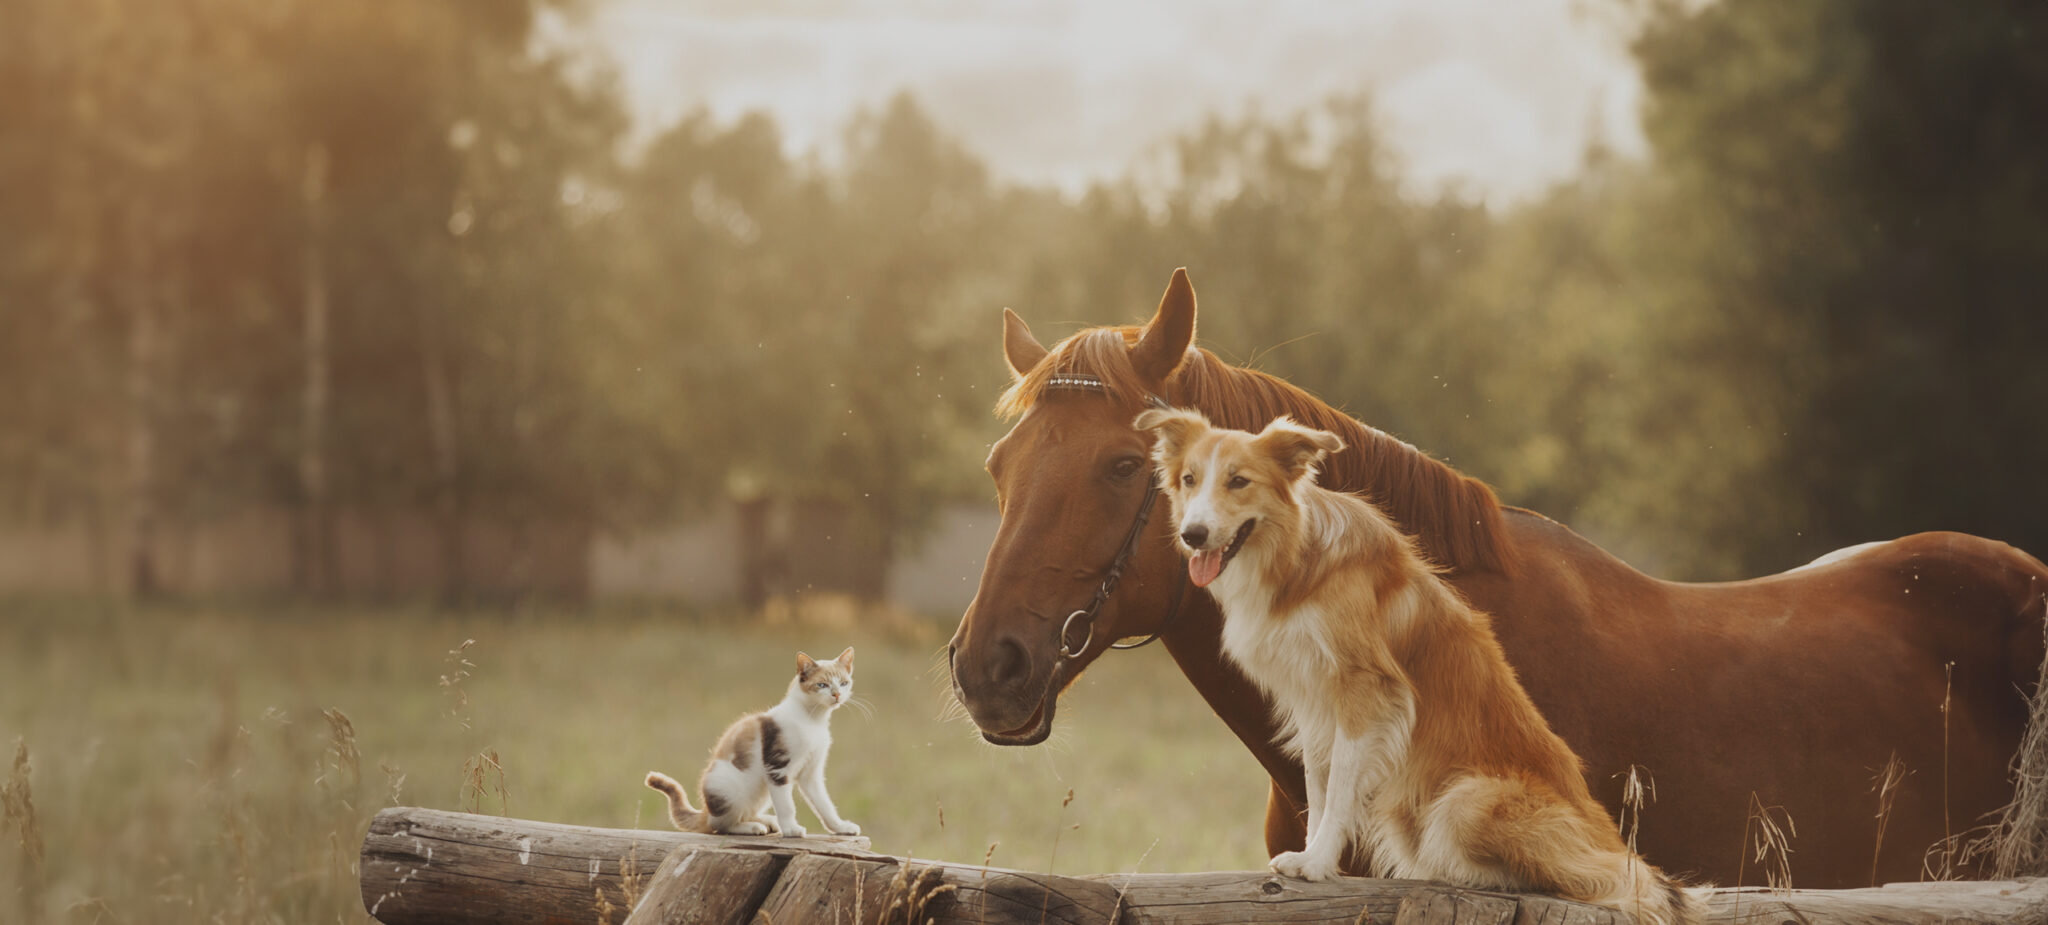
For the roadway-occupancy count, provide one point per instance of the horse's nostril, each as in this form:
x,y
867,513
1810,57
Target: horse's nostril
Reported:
x,y
1011,664
1195,536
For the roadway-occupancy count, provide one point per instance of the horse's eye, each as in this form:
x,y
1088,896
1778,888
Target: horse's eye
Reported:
x,y
1239,481
1187,480
1127,467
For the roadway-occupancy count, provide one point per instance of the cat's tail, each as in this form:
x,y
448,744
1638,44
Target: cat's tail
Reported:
x,y
686,817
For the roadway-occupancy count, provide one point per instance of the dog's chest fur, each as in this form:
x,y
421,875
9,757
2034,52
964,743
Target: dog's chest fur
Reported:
x,y
1287,654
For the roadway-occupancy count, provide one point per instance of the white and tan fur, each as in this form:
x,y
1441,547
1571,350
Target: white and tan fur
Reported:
x,y
763,757
1421,748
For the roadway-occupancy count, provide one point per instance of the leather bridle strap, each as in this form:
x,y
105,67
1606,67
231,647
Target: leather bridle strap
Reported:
x,y
1086,615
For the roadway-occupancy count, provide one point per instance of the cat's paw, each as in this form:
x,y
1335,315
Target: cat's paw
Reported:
x,y
793,830
1301,865
845,828
770,823
749,828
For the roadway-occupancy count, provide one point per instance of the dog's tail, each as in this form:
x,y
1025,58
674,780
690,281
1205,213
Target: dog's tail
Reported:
x,y
686,817
1653,896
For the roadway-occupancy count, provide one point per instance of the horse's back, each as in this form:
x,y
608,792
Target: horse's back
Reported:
x,y
1792,690
1953,589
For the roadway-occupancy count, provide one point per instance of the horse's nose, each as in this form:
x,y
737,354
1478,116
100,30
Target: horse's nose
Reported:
x,y
1195,535
1010,665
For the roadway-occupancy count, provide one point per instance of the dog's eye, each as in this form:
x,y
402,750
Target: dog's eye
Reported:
x,y
1238,481
1187,480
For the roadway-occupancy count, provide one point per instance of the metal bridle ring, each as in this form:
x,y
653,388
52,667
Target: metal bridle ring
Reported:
x,y
1069,625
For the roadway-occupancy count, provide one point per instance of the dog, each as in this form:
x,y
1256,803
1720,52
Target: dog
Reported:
x,y
1421,748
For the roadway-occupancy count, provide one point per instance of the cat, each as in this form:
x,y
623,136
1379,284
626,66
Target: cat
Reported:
x,y
762,757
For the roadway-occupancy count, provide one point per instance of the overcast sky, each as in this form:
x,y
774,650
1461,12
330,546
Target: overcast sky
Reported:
x,y
1499,96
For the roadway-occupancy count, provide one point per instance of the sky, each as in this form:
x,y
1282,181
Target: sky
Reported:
x,y
1498,98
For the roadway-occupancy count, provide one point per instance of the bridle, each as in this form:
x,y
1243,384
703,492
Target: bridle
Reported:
x,y
1086,615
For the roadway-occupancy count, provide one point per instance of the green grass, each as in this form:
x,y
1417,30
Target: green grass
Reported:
x,y
183,769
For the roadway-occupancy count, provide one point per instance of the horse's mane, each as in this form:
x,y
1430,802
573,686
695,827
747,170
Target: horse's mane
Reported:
x,y
1456,517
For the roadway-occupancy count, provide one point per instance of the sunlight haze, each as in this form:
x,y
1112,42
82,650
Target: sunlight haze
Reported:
x,y
1498,99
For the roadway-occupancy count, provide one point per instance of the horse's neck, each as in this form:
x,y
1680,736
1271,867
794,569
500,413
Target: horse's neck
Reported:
x,y
1456,519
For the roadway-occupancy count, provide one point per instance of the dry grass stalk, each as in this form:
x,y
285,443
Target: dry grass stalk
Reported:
x,y
459,668
344,761
1885,783
630,878
1052,860
604,906
1948,683
1958,855
911,890
1638,791
395,780
482,773
1770,841
2020,839
18,812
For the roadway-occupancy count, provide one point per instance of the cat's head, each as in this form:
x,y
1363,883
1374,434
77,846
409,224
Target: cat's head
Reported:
x,y
828,684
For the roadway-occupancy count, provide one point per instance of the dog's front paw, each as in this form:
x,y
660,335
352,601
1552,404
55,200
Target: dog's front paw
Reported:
x,y
845,828
793,830
1301,865
749,828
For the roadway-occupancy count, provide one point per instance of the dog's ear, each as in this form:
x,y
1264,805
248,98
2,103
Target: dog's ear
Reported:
x,y
1019,347
1175,427
1295,447
1167,336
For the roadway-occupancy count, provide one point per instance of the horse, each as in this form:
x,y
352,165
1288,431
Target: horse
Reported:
x,y
1862,709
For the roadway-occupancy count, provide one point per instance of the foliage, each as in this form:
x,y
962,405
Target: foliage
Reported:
x,y
1809,320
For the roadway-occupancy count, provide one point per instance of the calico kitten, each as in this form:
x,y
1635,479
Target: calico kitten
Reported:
x,y
762,756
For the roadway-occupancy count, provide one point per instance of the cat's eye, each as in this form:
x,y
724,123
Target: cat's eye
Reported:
x,y
1238,481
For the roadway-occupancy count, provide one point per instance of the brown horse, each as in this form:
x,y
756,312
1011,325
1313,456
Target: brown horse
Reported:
x,y
1794,690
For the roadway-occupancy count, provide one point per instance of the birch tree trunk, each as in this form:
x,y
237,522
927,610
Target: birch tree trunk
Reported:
x,y
315,568
139,443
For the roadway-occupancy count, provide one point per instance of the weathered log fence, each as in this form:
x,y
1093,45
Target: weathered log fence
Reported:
x,y
428,867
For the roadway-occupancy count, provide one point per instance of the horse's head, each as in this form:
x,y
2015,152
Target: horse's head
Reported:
x,y
1071,477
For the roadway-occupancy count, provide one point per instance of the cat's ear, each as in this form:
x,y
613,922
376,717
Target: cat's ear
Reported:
x,y
845,660
805,665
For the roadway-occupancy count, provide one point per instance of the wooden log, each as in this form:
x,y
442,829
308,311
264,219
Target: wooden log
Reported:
x,y
2008,902
1245,896
425,866
1257,897
707,886
429,867
822,889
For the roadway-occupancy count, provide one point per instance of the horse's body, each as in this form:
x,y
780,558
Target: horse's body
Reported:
x,y
1794,690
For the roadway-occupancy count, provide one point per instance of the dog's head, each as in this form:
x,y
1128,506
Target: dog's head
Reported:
x,y
1224,483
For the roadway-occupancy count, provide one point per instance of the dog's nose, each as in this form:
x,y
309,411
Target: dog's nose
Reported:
x,y
1195,535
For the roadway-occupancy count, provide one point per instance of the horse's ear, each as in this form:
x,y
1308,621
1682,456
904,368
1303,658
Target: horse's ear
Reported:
x,y
1019,347
1170,331
1296,447
1175,427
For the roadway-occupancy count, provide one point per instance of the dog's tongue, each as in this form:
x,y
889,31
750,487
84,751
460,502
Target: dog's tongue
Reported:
x,y
1205,566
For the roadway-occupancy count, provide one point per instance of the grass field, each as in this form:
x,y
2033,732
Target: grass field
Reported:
x,y
216,763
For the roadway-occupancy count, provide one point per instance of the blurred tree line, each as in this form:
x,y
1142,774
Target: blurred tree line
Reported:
x,y
397,255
